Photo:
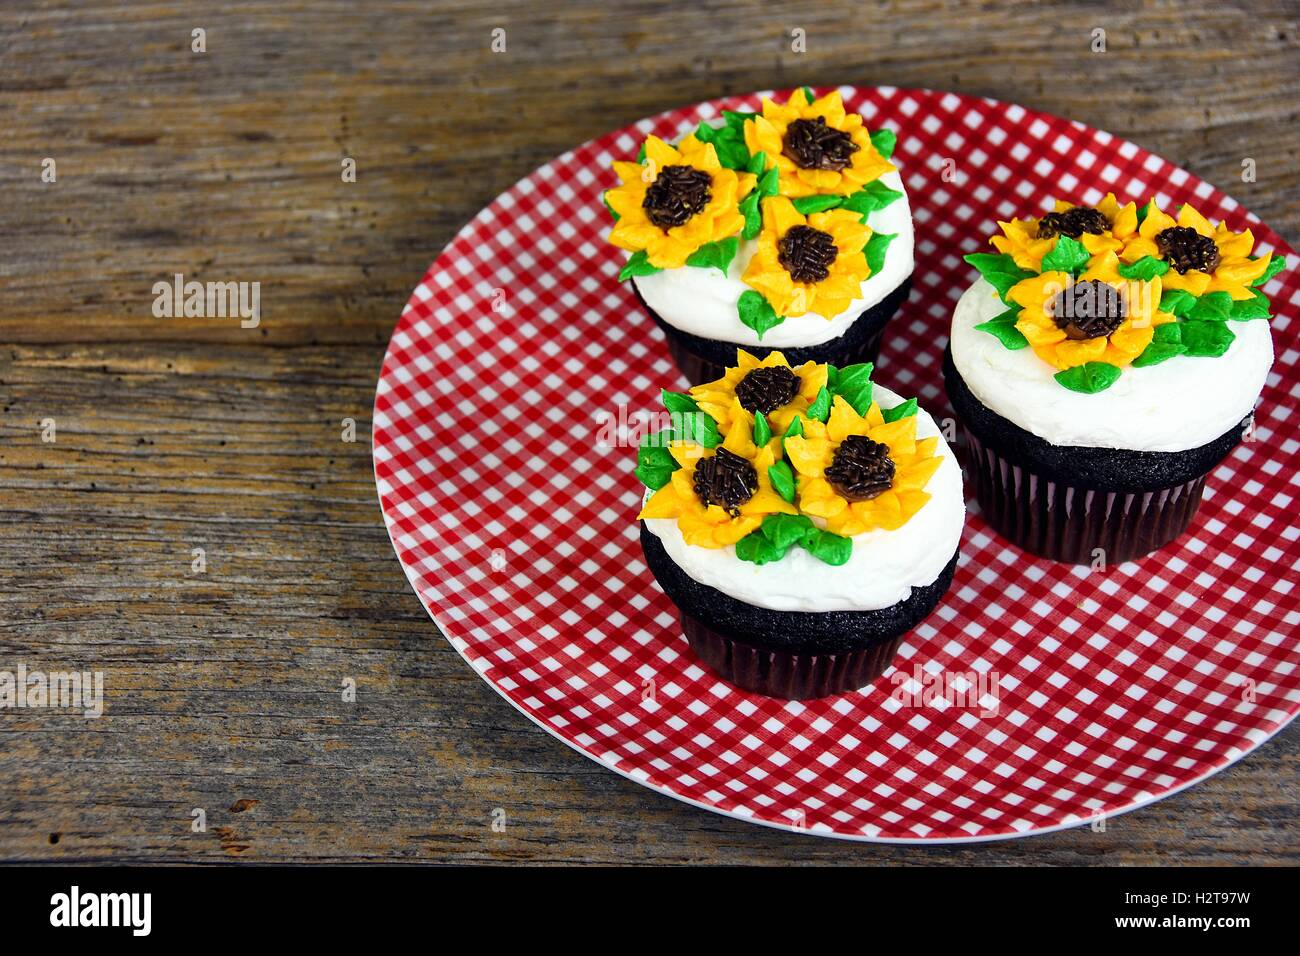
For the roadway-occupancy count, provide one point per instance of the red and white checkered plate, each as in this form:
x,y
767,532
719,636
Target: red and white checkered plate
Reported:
x,y
517,528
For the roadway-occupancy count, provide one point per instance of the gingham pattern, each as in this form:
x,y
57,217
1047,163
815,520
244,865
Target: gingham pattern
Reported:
x,y
517,528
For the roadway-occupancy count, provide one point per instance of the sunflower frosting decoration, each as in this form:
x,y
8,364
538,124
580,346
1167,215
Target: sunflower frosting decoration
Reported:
x,y
1100,229
679,201
1097,317
836,465
693,204
861,473
816,147
812,263
1094,290
768,387
1200,258
719,496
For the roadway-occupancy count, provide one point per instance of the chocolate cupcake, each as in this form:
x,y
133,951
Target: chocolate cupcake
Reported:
x,y
1107,360
787,229
802,519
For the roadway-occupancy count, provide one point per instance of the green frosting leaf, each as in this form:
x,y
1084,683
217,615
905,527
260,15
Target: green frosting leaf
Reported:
x,y
1207,339
1275,265
853,384
706,133
852,377
874,195
906,410
831,548
757,549
728,142
1003,327
655,455
762,430
736,119
1176,301
781,475
637,265
809,95
654,465
653,476
640,154
784,531
1089,378
753,219
757,163
796,428
604,197
774,537
820,409
697,427
768,183
807,205
884,140
1256,307
1166,342
779,533
756,312
875,250
1168,332
1143,210
1068,255
678,401
1212,307
1145,269
714,255
999,270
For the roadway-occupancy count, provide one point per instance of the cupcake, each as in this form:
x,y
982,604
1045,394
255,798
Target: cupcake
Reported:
x,y
802,519
1106,360
787,229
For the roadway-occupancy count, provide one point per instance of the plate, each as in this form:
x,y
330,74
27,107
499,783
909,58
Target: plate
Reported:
x,y
512,510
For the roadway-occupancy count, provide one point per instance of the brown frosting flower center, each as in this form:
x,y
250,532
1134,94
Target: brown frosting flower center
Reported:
x,y
1088,309
767,389
1184,248
811,144
861,469
677,194
1073,223
726,480
806,253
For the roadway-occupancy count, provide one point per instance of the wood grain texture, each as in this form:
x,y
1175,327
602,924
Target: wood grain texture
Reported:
x,y
224,688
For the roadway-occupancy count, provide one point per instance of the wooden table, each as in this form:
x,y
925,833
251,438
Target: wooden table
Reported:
x,y
224,687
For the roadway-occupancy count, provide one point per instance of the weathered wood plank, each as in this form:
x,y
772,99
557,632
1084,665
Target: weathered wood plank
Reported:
x,y
224,687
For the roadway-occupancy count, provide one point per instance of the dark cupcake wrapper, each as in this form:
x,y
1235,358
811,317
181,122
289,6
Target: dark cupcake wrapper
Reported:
x,y
783,674
793,655
703,360
1068,523
1075,504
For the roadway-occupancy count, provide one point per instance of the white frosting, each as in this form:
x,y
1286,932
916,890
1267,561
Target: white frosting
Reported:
x,y
703,301
884,566
1181,403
